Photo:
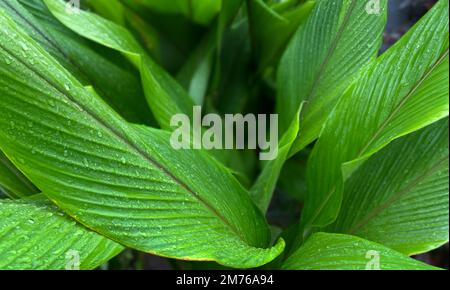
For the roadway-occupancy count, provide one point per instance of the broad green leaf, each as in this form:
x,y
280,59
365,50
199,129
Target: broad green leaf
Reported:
x,y
12,182
48,239
127,184
120,88
271,30
323,251
200,11
324,56
405,90
264,186
165,96
399,197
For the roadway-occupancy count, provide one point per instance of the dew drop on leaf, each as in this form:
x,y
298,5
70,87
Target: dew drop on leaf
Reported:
x,y
24,46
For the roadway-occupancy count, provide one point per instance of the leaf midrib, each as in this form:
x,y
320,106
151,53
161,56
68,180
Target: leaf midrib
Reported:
x,y
129,144
403,102
396,196
330,52
380,129
55,46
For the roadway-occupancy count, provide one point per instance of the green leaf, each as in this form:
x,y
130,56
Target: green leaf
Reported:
x,y
405,90
324,56
323,251
232,83
264,186
109,9
200,11
119,87
48,239
12,182
164,95
161,40
271,29
127,184
197,71
227,13
399,197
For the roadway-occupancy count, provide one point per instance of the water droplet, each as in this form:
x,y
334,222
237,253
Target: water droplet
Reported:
x,y
25,47
67,87
99,134
31,221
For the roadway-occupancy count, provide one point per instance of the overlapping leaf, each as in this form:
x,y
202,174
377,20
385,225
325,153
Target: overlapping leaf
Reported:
x,y
122,182
36,235
405,90
399,197
119,87
12,182
198,71
324,251
271,29
164,95
324,56
128,185
264,186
